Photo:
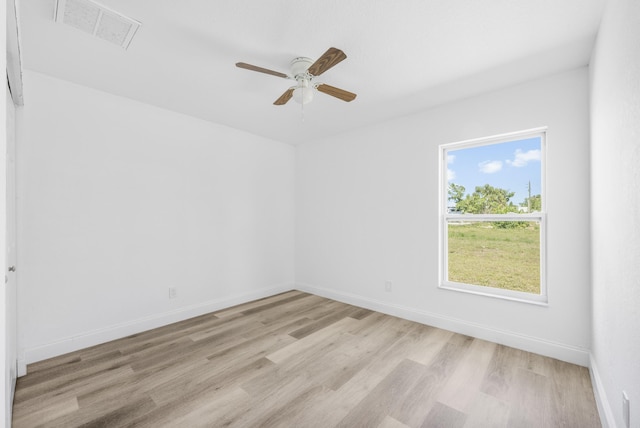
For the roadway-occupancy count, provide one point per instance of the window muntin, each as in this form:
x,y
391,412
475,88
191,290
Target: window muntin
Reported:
x,y
492,210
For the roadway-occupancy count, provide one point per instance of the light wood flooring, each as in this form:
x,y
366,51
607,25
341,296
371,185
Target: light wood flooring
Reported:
x,y
299,360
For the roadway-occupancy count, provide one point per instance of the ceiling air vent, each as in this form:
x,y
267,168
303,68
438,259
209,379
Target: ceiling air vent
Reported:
x,y
97,20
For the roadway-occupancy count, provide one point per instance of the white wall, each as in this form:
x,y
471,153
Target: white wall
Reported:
x,y
9,244
118,201
367,211
5,362
615,145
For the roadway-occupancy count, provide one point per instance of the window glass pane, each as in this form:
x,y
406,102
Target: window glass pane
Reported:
x,y
495,178
498,254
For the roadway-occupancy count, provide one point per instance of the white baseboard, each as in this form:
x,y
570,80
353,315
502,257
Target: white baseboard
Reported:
x,y
604,408
571,354
113,332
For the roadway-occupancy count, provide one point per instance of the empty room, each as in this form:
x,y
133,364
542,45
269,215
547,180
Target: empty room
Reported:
x,y
321,214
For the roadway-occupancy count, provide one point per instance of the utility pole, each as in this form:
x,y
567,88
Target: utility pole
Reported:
x,y
529,198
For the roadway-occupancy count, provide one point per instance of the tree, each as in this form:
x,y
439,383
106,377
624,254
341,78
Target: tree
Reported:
x,y
533,203
456,192
487,200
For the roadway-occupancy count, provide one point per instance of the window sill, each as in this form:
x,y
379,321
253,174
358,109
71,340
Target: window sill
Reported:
x,y
514,296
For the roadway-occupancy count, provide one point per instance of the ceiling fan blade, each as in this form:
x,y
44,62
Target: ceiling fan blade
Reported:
x,y
336,92
284,97
330,58
260,69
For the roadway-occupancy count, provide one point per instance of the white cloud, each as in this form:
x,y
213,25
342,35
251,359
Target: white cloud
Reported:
x,y
521,158
451,174
489,167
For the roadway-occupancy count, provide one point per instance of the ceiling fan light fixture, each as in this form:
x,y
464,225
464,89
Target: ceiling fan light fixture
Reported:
x,y
303,94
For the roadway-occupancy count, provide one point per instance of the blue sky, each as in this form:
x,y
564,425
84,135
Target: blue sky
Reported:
x,y
508,165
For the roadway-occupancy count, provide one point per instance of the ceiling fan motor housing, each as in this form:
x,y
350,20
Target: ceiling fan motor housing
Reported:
x,y
299,67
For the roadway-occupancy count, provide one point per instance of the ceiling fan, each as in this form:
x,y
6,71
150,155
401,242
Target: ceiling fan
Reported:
x,y
304,71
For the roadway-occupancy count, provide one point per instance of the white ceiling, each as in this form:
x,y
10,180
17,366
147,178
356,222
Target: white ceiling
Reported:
x,y
403,56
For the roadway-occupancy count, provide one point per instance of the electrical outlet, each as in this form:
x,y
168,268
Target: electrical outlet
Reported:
x,y
625,409
172,293
388,286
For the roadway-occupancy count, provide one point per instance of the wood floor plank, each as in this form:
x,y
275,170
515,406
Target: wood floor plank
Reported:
x,y
571,397
72,368
386,396
486,410
139,384
220,409
463,385
337,404
291,412
498,380
262,406
276,304
389,422
419,400
426,349
208,408
121,416
316,308
253,347
358,354
530,407
227,330
114,408
420,344
312,307
149,339
210,377
323,322
69,382
298,365
50,394
299,360
233,310
46,412
314,341
444,416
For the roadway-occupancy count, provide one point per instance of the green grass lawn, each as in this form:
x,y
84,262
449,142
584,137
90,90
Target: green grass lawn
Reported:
x,y
481,254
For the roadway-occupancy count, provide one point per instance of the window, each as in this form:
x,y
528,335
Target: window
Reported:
x,y
492,216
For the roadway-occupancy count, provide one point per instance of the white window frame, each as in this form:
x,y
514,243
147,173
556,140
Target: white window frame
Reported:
x,y
446,217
